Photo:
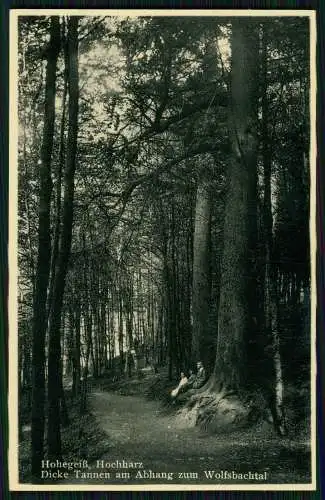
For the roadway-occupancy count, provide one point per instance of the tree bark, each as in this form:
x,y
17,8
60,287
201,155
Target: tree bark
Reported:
x,y
63,404
56,237
76,351
270,278
230,367
201,279
44,255
53,432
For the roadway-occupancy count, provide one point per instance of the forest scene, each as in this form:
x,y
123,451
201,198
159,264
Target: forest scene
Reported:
x,y
164,291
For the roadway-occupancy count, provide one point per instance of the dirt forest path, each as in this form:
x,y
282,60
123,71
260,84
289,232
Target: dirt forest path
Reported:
x,y
138,431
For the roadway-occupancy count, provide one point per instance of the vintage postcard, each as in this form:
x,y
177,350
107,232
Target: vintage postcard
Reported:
x,y
162,242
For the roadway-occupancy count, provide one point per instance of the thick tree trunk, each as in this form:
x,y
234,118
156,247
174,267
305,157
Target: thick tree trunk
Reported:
x,y
230,367
220,403
201,278
44,255
53,433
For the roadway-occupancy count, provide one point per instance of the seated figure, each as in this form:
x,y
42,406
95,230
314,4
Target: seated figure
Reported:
x,y
183,381
200,376
191,379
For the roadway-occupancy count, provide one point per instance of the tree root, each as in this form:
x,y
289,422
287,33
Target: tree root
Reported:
x,y
217,410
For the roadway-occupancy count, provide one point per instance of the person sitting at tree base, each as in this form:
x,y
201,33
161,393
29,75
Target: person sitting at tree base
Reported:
x,y
191,380
183,381
200,376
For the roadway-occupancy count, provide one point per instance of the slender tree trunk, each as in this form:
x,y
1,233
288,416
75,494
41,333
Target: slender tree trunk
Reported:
x,y
75,326
188,300
56,237
95,306
44,254
178,306
169,333
77,347
120,326
173,291
84,387
270,286
63,403
53,433
27,195
26,363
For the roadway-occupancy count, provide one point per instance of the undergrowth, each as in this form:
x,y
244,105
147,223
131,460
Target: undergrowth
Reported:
x,y
81,438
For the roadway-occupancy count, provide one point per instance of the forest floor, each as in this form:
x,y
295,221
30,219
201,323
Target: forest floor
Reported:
x,y
137,429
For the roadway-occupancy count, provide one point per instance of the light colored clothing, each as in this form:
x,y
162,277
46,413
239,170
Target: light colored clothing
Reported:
x,y
181,384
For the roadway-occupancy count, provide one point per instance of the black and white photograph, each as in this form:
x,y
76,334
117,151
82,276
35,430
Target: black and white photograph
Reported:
x,y
162,242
